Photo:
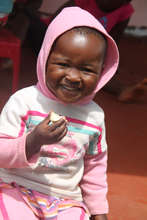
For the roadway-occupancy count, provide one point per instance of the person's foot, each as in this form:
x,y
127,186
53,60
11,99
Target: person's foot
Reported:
x,y
136,93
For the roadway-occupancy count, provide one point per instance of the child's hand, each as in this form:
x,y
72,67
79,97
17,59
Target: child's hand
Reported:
x,y
99,217
44,134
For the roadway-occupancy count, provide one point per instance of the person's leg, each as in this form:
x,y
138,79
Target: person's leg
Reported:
x,y
135,93
74,213
13,207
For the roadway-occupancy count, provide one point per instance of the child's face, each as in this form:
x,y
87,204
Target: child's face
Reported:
x,y
74,65
110,5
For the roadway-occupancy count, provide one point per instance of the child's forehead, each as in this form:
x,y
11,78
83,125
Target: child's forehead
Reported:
x,y
80,39
80,33
74,45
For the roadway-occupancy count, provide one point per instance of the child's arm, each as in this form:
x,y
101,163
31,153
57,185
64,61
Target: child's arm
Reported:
x,y
94,185
13,134
14,153
94,182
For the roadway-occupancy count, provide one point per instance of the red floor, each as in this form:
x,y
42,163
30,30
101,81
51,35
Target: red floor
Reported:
x,y
127,167
126,132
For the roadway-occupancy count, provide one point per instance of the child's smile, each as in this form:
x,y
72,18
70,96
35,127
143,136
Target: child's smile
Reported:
x,y
74,65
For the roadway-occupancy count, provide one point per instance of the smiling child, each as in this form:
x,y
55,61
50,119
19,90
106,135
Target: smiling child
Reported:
x,y
58,170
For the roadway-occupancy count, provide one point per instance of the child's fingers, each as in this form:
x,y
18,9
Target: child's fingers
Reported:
x,y
60,134
57,127
57,130
58,123
47,119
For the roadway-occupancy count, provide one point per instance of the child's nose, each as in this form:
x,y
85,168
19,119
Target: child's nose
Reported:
x,y
73,75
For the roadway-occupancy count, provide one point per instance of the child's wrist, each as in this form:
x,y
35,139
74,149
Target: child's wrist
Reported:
x,y
32,145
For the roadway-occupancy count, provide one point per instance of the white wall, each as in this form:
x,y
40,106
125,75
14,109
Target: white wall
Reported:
x,y
139,18
51,5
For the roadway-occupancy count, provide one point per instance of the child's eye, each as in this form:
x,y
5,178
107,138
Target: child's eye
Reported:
x,y
84,69
63,64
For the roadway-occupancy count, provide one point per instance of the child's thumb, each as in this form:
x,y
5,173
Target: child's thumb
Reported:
x,y
47,119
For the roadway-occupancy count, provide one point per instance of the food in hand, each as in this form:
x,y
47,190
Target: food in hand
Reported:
x,y
55,117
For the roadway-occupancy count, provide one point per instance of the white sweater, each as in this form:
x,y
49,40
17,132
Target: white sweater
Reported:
x,y
74,168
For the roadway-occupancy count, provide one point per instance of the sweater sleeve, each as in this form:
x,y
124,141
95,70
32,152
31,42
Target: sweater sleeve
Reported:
x,y
94,182
12,152
13,132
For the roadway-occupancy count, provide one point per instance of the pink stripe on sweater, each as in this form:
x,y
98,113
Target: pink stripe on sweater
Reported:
x,y
89,125
99,146
22,128
36,113
77,121
33,113
24,118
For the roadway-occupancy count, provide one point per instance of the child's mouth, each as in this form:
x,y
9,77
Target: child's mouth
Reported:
x,y
70,91
70,88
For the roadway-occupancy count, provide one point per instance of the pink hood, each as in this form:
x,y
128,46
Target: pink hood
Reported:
x,y
69,18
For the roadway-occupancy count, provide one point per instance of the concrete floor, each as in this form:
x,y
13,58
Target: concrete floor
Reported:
x,y
126,126
127,164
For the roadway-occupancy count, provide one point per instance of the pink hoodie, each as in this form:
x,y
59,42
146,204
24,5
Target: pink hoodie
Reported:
x,y
69,18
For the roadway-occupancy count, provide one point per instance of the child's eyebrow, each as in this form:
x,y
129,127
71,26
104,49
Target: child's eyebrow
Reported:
x,y
87,64
63,59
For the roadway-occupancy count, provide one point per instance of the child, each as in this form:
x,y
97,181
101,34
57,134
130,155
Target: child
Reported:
x,y
58,170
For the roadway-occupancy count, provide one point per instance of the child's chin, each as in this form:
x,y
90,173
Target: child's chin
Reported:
x,y
69,100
